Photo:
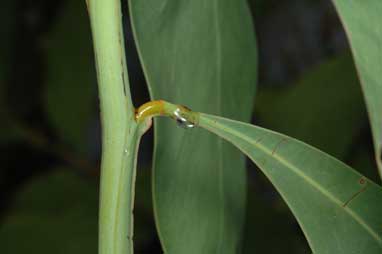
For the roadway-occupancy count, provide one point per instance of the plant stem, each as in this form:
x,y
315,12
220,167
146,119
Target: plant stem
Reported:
x,y
120,132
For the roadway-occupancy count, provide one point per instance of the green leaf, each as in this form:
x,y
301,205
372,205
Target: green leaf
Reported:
x,y
70,88
338,209
330,124
201,54
326,120
53,214
362,21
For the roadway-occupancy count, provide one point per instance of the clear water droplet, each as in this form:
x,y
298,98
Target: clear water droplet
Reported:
x,y
182,121
126,151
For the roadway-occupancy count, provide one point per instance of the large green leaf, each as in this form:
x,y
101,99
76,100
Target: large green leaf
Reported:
x,y
70,89
338,209
326,120
201,54
362,21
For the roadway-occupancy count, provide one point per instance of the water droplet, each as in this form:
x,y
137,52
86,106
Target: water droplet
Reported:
x,y
182,121
126,151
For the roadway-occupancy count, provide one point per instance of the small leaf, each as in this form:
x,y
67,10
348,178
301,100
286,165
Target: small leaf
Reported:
x,y
337,208
362,21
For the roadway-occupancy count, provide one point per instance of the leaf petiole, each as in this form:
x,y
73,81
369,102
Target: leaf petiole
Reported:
x,y
184,116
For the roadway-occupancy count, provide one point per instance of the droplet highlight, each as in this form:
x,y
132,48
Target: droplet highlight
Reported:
x,y
182,121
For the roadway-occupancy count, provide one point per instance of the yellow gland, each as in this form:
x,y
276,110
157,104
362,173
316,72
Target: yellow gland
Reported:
x,y
182,115
150,109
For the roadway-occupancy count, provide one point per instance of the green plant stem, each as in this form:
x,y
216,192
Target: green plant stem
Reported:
x,y
120,132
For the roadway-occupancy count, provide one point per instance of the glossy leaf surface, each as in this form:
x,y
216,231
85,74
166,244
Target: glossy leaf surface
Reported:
x,y
201,54
338,209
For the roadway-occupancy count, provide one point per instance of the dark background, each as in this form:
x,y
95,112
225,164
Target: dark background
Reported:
x,y
50,130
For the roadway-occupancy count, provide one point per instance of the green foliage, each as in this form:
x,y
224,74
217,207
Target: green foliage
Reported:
x,y
314,109
361,20
58,213
202,54
52,214
70,81
334,204
330,122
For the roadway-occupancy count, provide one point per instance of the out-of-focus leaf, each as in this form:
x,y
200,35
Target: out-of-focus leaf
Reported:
x,y
338,208
53,214
362,22
70,83
201,54
324,108
58,213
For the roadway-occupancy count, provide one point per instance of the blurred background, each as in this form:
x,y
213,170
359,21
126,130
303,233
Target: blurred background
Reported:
x,y
50,128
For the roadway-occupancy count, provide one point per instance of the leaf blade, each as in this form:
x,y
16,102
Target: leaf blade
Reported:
x,y
348,204
361,21
196,63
